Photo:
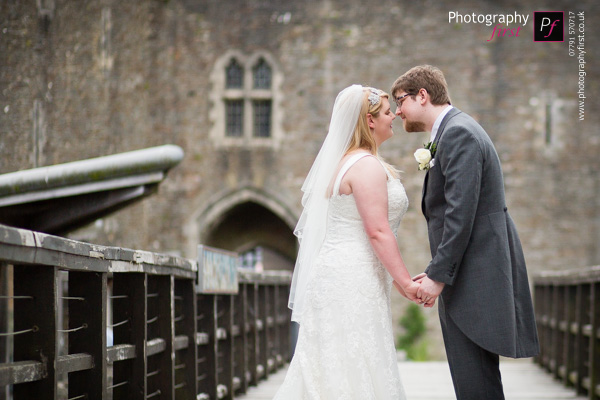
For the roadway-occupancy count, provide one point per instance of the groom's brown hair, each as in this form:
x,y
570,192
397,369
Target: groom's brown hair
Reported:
x,y
425,77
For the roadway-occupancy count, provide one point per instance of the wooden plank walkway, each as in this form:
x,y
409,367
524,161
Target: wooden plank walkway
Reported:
x,y
522,379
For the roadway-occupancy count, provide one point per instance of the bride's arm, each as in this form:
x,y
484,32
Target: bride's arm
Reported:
x,y
400,289
368,182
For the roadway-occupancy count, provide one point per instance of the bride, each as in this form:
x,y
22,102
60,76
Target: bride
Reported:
x,y
348,259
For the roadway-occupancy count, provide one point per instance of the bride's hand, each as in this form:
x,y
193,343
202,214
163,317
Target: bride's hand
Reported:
x,y
410,291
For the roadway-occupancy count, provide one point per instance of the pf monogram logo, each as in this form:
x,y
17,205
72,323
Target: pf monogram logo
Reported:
x,y
548,26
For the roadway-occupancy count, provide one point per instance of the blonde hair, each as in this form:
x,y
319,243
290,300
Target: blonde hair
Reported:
x,y
362,138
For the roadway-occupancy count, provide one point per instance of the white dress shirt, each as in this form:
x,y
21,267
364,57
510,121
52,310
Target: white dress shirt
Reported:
x,y
438,122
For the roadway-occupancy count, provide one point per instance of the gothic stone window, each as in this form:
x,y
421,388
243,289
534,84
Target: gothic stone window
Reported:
x,y
234,117
262,75
235,75
244,103
262,118
234,105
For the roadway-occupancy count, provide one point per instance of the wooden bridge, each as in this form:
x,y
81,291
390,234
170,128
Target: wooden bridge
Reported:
x,y
523,380
62,299
82,321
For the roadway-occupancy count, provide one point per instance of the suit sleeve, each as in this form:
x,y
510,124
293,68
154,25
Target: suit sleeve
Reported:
x,y
461,161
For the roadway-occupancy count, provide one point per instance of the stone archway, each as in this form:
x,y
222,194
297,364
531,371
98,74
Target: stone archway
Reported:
x,y
250,225
248,219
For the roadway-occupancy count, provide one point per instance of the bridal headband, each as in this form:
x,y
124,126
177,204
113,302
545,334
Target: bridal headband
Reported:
x,y
374,96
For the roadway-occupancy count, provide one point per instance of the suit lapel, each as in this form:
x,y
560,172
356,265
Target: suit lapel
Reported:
x,y
423,194
454,111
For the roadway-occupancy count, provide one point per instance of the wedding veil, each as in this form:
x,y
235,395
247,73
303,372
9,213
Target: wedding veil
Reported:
x,y
312,224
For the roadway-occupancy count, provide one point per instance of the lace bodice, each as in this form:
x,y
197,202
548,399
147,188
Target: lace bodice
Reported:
x,y
347,259
344,224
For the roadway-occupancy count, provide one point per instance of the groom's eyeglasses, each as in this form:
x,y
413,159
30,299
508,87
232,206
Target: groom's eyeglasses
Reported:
x,y
400,99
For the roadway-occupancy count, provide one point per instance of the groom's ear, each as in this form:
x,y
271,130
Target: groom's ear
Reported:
x,y
423,96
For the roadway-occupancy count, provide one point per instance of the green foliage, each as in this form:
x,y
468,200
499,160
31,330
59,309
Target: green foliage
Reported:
x,y
413,339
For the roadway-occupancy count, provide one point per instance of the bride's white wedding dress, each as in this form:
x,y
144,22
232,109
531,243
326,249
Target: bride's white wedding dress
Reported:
x,y
345,348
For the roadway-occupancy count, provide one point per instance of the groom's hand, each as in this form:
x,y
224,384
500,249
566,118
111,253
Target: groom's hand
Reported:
x,y
429,291
419,278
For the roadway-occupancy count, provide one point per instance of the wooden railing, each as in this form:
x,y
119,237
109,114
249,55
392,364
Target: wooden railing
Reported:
x,y
61,298
567,306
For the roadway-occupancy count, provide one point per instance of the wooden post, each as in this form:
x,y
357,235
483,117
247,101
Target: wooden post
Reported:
x,y
224,346
272,327
207,347
584,345
37,318
283,322
186,369
542,319
580,340
129,320
160,334
263,332
571,336
537,301
240,345
5,320
87,319
549,336
594,351
252,330
559,327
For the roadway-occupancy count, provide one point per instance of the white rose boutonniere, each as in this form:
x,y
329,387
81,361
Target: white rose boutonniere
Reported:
x,y
425,156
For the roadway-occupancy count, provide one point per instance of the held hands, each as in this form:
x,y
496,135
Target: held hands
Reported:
x,y
410,291
423,291
428,291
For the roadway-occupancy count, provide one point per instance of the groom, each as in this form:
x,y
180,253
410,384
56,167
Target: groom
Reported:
x,y
477,262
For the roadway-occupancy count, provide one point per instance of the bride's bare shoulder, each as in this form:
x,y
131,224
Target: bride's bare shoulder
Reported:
x,y
367,167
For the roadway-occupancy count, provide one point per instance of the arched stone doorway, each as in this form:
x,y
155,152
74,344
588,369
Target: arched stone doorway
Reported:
x,y
249,226
251,221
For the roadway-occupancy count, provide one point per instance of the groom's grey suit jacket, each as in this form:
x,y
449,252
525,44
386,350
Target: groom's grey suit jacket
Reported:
x,y
474,244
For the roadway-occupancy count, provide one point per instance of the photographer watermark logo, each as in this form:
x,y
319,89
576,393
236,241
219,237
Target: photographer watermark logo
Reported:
x,y
548,26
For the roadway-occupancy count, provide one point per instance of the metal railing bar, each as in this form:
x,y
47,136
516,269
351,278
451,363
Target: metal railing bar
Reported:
x,y
157,393
117,385
119,323
34,329
153,373
180,318
84,326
